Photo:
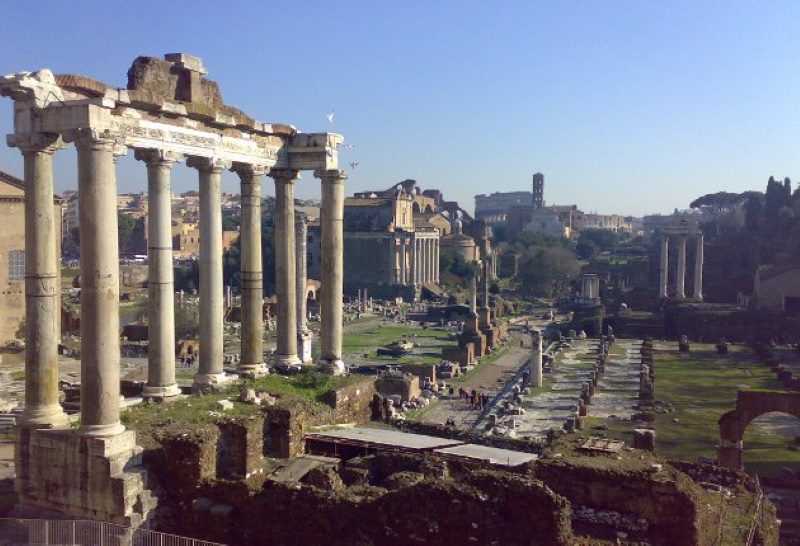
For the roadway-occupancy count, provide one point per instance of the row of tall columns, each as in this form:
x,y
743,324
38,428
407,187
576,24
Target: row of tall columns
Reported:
x,y
680,272
414,260
99,269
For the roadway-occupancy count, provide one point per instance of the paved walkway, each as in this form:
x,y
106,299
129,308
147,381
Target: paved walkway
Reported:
x,y
490,379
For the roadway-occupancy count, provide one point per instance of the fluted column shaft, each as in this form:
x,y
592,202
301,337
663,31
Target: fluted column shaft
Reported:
x,y
160,285
212,320
392,260
680,273
332,268
251,272
100,326
664,267
285,267
42,290
698,267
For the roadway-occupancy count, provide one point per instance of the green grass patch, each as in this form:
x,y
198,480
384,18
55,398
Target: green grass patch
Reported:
x,y
701,386
308,384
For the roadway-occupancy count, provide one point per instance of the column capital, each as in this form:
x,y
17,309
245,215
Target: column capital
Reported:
x,y
248,172
287,176
36,143
88,138
331,175
208,164
157,158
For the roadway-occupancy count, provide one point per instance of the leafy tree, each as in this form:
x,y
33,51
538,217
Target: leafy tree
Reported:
x,y
543,266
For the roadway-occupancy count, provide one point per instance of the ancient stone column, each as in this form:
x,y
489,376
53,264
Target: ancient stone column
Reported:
x,y
680,273
429,254
403,260
160,284
664,267
698,267
100,327
414,261
42,289
332,215
251,272
210,372
301,258
392,260
485,314
536,359
285,267
436,248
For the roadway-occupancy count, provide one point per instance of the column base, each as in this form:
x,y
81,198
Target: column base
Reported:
x,y
52,416
253,370
332,367
204,382
288,363
102,430
151,391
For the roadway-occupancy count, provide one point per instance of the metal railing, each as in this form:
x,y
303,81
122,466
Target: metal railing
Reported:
x,y
86,533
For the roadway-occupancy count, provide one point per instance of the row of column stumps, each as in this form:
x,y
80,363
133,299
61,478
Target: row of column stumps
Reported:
x,y
99,270
680,273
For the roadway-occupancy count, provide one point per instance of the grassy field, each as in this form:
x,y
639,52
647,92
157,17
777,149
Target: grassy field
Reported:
x,y
702,386
366,342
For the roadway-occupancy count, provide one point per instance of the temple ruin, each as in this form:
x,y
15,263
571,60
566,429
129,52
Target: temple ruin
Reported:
x,y
169,112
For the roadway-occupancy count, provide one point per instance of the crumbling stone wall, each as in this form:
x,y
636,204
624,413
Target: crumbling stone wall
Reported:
x,y
240,449
385,499
351,402
668,500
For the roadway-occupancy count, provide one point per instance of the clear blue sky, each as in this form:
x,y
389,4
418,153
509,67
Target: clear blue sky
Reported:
x,y
626,107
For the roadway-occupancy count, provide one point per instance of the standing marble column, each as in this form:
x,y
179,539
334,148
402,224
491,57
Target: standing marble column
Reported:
x,y
160,285
301,259
536,359
285,267
251,272
429,260
485,314
332,216
698,267
473,296
664,267
414,261
100,327
210,372
680,273
42,290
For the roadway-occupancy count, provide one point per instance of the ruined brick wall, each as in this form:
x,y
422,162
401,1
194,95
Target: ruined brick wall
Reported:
x,y
395,500
669,500
351,402
240,449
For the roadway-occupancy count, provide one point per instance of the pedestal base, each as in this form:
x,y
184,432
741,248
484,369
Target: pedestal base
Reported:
x,y
81,477
304,347
332,367
150,391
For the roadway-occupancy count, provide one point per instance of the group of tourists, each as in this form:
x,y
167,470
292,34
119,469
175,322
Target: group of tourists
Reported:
x,y
475,399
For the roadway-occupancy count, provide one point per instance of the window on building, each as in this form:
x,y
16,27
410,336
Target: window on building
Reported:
x,y
16,265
